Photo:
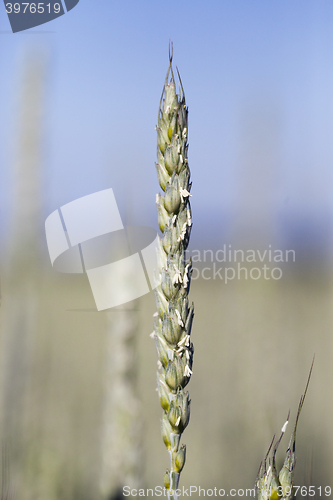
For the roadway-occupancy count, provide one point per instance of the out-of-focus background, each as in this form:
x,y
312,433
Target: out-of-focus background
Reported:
x,y
79,99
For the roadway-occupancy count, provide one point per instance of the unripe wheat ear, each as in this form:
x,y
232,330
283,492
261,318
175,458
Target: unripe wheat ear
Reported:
x,y
173,319
269,484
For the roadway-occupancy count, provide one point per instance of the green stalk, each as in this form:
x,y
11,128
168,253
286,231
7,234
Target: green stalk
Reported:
x,y
173,319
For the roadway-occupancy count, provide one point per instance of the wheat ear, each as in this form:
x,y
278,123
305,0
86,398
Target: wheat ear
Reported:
x,y
269,484
173,319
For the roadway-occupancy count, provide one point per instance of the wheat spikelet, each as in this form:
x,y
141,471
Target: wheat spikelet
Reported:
x,y
173,320
269,484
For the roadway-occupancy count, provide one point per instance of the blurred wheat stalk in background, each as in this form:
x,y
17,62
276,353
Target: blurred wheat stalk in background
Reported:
x,y
122,424
173,320
21,306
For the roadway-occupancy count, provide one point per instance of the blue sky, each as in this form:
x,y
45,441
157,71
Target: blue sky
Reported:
x,y
258,77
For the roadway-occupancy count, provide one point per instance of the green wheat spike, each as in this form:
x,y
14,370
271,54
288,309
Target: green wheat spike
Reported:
x,y
173,320
269,484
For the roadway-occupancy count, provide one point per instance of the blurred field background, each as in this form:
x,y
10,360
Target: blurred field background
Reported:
x,y
79,98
